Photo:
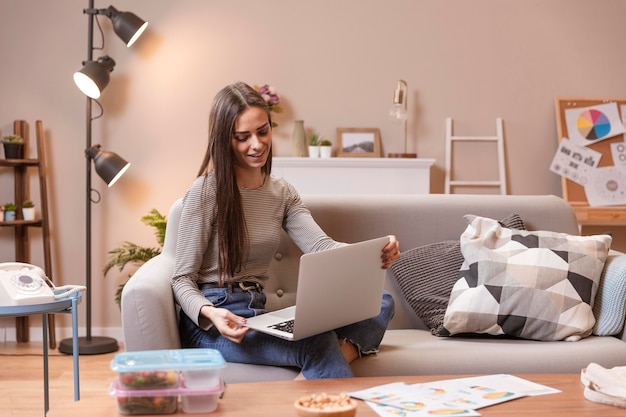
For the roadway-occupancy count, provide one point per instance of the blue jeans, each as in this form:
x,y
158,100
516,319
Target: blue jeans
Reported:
x,y
317,356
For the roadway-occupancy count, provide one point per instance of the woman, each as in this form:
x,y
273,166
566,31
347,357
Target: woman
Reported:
x,y
230,227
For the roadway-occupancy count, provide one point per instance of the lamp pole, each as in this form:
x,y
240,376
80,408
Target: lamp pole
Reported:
x,y
89,345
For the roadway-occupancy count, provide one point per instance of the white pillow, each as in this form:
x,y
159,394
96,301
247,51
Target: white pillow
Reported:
x,y
533,285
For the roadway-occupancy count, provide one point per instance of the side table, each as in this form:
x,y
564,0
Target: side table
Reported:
x,y
62,305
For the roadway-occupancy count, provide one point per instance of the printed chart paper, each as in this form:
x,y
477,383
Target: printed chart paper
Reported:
x,y
589,125
606,187
459,397
574,162
618,153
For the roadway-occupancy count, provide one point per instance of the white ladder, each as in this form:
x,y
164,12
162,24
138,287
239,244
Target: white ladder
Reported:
x,y
498,139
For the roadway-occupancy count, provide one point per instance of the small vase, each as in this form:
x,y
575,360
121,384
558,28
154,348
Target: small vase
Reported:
x,y
298,140
9,215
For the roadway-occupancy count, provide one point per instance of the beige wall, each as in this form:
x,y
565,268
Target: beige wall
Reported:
x,y
335,64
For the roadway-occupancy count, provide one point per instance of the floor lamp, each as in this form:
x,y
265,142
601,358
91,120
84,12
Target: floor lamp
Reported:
x,y
91,80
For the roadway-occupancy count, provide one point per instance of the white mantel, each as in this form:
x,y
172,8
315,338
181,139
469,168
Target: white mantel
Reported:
x,y
355,175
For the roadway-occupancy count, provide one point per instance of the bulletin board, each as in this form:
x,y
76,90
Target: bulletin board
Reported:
x,y
575,193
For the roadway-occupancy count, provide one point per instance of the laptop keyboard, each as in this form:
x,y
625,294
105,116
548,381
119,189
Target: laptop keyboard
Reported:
x,y
285,326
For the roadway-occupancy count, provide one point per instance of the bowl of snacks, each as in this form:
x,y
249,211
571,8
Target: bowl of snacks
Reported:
x,y
326,405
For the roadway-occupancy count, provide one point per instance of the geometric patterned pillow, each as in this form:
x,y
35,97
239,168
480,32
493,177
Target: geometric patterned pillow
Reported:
x,y
426,275
533,285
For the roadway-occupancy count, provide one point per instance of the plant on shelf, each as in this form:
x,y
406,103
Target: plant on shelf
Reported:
x,y
271,97
13,146
13,139
9,211
314,145
28,210
326,147
131,253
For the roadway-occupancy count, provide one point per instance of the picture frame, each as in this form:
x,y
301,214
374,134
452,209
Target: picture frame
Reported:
x,y
358,142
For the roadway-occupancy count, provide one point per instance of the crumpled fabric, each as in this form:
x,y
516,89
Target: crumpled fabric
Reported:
x,y
606,386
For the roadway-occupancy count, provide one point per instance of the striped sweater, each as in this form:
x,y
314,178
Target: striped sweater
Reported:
x,y
273,207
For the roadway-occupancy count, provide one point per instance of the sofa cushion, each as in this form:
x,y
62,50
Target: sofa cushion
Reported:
x,y
426,275
417,352
533,285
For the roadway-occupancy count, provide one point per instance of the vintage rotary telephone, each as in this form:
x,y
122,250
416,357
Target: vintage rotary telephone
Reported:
x,y
22,283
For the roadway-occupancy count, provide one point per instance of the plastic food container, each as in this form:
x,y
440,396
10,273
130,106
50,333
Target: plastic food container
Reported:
x,y
147,369
155,369
145,401
201,400
201,368
165,400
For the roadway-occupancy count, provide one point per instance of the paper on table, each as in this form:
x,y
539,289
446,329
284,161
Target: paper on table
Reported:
x,y
449,397
390,411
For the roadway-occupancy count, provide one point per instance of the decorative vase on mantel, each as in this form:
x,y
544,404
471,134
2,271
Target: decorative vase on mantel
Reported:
x,y
298,140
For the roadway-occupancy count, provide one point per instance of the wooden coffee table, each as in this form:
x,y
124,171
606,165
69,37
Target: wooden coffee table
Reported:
x,y
277,398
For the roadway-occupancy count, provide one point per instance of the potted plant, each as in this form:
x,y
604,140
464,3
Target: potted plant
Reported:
x,y
28,210
9,212
314,146
131,253
13,146
326,148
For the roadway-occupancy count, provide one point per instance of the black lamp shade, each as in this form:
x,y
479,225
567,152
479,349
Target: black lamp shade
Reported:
x,y
94,76
109,165
127,26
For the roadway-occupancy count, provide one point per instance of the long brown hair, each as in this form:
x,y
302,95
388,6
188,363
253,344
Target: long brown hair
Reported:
x,y
232,237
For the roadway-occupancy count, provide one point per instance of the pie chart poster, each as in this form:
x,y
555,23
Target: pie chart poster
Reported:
x,y
589,125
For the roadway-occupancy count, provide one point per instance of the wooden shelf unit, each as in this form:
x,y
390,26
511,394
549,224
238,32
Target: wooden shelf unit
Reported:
x,y
21,227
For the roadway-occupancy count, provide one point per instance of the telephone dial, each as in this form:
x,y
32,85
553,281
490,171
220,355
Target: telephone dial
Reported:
x,y
22,283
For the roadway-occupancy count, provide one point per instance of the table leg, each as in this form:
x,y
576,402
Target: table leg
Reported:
x,y
51,332
75,348
44,325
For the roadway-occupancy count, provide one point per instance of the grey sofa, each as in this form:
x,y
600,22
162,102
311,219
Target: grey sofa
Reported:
x,y
149,315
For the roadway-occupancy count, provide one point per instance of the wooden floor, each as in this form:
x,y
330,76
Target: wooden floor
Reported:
x,y
21,378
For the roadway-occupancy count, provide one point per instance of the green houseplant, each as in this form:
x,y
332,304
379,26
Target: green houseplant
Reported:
x,y
9,211
325,148
13,146
131,253
314,146
28,210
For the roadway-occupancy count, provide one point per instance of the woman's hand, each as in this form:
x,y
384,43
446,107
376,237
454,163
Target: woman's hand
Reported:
x,y
391,252
231,326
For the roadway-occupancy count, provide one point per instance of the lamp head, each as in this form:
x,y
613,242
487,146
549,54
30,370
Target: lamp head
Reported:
x,y
94,76
109,165
127,26
398,112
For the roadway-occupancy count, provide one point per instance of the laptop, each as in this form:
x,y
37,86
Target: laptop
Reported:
x,y
336,287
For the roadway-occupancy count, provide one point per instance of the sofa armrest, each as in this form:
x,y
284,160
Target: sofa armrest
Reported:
x,y
149,319
610,303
